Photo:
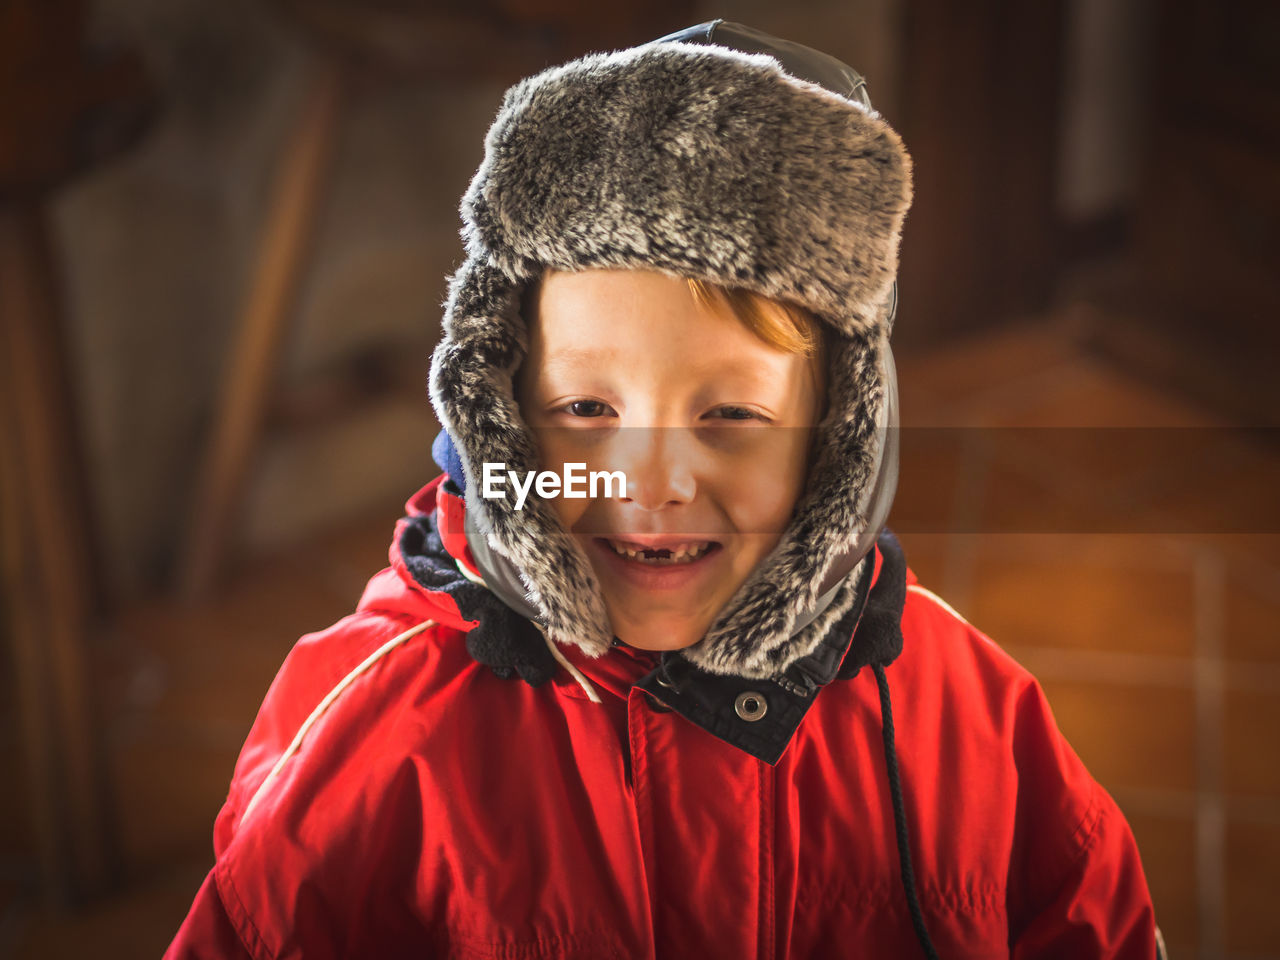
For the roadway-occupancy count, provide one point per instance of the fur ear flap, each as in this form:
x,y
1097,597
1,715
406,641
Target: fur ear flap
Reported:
x,y
471,387
755,635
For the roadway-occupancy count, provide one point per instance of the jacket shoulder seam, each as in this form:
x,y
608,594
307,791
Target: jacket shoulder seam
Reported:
x,y
1083,837
1088,823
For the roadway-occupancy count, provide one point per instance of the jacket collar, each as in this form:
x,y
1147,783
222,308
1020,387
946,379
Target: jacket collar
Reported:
x,y
758,716
761,716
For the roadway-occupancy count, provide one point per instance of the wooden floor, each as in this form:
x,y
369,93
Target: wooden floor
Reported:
x,y
1160,652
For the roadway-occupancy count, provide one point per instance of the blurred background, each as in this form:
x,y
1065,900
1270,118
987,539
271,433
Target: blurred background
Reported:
x,y
225,229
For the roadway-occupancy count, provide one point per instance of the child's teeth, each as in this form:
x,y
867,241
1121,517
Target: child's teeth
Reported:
x,y
684,553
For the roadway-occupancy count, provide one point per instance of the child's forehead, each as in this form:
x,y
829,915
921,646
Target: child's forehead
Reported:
x,y
606,359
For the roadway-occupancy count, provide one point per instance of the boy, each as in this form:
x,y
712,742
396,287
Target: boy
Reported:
x,y
657,722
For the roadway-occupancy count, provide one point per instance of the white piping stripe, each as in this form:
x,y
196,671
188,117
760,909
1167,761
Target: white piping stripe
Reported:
x,y
583,682
324,705
462,568
925,592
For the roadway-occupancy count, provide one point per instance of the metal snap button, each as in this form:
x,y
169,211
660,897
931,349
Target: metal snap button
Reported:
x,y
750,706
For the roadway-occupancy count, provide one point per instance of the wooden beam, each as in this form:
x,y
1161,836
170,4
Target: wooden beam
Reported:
x,y
47,575
286,238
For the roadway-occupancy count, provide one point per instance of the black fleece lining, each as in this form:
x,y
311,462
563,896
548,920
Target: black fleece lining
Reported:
x,y
504,641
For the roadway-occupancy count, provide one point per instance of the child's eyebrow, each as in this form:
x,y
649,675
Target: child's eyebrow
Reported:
x,y
573,359
578,356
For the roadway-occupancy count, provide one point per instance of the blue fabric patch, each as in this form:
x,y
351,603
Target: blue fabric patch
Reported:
x,y
445,454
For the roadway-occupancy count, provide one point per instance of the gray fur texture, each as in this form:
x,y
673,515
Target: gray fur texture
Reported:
x,y
697,161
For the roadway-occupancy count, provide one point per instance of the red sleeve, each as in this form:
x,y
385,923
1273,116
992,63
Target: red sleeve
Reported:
x,y
1076,886
207,933
1102,907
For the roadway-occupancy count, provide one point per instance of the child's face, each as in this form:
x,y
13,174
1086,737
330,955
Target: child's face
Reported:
x,y
710,425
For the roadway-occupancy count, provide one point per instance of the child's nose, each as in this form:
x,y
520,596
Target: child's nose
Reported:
x,y
658,463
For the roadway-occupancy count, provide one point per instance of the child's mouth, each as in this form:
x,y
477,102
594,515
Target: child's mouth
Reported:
x,y
668,555
664,563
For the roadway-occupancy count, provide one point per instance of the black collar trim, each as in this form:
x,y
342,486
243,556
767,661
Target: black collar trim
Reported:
x,y
730,707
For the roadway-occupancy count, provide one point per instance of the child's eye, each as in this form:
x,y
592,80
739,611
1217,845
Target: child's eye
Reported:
x,y
586,408
736,413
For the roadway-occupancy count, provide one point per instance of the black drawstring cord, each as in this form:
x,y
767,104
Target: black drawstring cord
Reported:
x,y
900,815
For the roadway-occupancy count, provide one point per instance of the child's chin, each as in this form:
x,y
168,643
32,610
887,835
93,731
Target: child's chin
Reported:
x,y
660,633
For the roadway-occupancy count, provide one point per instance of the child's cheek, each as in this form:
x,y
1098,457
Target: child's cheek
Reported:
x,y
764,484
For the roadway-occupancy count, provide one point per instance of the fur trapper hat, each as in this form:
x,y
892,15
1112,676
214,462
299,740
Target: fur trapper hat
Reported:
x,y
696,161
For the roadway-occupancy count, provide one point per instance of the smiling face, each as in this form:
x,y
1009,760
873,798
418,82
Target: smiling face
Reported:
x,y
711,425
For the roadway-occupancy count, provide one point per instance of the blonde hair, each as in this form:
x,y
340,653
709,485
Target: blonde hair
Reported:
x,y
784,326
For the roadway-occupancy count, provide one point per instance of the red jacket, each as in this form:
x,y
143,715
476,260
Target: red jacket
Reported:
x,y
397,798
